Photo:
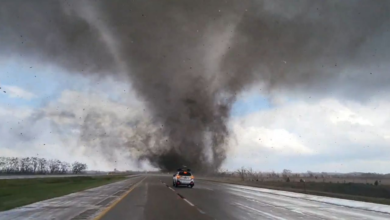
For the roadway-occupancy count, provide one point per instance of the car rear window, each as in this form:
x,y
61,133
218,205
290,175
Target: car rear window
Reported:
x,y
185,173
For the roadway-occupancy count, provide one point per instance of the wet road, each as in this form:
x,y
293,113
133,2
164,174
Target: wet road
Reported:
x,y
155,198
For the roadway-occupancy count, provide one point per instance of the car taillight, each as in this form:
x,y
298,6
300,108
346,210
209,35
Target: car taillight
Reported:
x,y
192,177
178,176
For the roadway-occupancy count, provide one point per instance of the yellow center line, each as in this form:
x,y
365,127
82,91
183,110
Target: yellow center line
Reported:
x,y
104,212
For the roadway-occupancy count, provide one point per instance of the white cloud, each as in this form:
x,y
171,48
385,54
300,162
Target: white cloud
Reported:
x,y
277,140
6,112
17,92
321,135
339,113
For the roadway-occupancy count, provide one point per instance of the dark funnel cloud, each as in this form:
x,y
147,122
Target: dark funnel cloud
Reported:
x,y
188,60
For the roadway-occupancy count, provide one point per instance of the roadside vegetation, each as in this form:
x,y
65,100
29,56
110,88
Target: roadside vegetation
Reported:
x,y
367,187
36,165
19,192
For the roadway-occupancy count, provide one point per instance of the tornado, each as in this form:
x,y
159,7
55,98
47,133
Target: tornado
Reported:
x,y
189,60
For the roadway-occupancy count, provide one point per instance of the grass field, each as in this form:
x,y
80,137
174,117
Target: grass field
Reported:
x,y
352,191
19,192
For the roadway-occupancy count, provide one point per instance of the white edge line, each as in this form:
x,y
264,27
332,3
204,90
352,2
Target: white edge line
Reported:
x,y
171,189
201,211
188,202
117,192
264,213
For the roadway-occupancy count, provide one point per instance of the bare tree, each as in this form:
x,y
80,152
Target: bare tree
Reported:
x,y
7,168
257,176
241,173
78,167
25,165
250,174
64,167
42,165
273,174
14,165
54,166
286,174
3,164
34,164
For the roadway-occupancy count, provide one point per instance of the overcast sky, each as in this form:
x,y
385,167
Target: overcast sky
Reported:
x,y
308,92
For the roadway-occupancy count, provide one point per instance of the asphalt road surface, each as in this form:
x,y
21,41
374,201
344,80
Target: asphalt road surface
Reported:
x,y
152,197
156,198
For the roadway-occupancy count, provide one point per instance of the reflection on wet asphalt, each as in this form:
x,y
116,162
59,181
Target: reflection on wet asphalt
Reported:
x,y
154,197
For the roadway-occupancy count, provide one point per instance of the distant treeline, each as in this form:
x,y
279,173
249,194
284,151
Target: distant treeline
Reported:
x,y
249,174
36,165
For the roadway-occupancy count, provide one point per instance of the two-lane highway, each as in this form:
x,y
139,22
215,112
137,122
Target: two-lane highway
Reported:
x,y
156,198
152,197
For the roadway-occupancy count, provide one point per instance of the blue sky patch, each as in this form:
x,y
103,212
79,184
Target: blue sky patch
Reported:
x,y
249,104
